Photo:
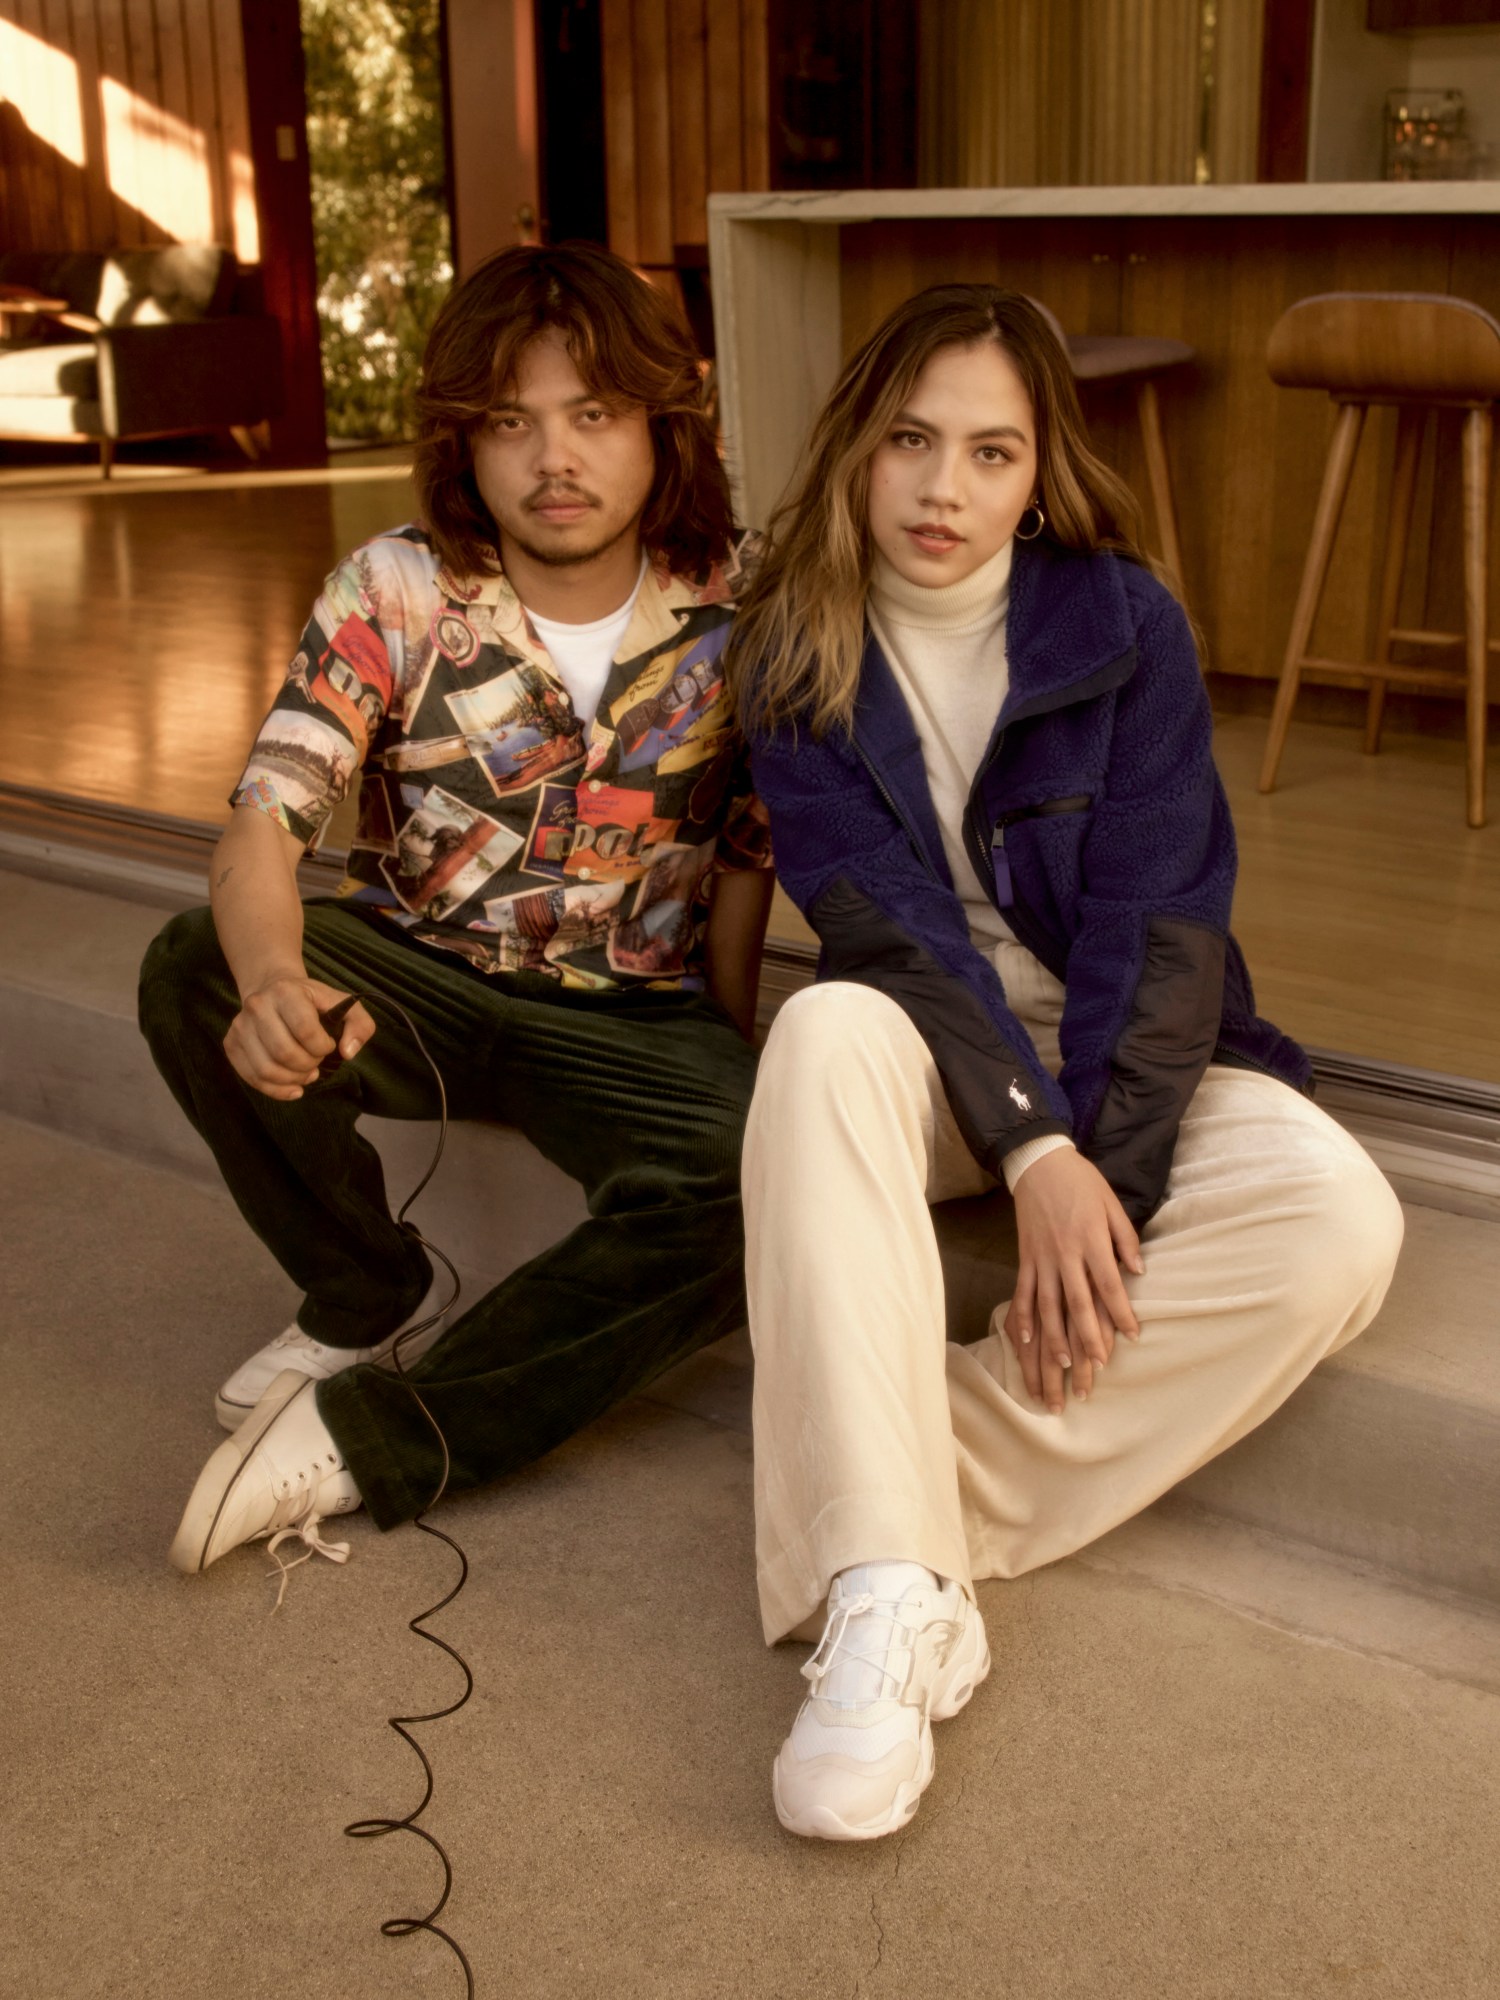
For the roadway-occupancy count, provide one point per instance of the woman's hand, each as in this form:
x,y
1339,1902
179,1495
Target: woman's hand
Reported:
x,y
1070,1299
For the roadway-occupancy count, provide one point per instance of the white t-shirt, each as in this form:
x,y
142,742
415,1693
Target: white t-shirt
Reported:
x,y
584,654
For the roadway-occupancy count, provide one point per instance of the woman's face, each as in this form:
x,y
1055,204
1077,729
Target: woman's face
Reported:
x,y
957,469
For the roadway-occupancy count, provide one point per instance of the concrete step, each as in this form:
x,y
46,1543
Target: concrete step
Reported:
x,y
1389,1456
1207,1763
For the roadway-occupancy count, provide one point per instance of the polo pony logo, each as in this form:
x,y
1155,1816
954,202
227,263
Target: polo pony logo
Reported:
x,y
1022,1100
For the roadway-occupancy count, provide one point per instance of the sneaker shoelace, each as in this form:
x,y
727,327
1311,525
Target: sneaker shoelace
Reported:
x,y
305,1530
835,1648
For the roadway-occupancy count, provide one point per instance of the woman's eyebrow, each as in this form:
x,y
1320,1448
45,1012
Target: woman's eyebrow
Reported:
x,y
909,422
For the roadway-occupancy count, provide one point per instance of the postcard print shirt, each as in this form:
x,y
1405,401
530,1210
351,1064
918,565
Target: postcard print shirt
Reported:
x,y
489,822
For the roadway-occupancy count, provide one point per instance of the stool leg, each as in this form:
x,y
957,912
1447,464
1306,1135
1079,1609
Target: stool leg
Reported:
x,y
1409,429
1148,409
1325,526
1478,435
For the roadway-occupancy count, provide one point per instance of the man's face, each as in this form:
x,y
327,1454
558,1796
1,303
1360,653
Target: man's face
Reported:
x,y
566,477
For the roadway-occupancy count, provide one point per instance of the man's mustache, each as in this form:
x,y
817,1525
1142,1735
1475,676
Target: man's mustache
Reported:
x,y
552,496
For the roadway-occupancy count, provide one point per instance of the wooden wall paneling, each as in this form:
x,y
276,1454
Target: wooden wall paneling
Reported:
x,y
37,165
726,116
615,31
150,154
69,175
234,125
99,203
188,151
203,115
653,133
1185,280
171,60
152,188
755,94
687,82
14,227
30,169
1072,266
119,158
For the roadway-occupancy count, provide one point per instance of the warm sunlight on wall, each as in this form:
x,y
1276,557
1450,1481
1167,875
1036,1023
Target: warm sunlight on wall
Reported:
x,y
124,123
158,164
43,84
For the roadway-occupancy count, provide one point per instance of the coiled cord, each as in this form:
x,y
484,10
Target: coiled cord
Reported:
x,y
374,1828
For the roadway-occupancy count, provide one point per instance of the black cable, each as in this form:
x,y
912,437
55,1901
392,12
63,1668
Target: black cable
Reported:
x,y
373,1829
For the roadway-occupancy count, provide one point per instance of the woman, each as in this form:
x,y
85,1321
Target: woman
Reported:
x,y
980,728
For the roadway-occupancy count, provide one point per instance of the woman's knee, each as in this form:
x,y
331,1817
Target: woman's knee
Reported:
x,y
1342,1253
825,1032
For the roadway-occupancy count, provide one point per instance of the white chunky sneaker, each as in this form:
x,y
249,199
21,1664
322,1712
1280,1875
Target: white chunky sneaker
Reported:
x,y
292,1348
278,1476
901,1650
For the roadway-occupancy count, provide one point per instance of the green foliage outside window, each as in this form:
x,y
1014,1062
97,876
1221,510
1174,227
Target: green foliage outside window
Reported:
x,y
380,216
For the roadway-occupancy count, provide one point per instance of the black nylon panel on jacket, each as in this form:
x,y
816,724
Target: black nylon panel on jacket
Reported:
x,y
993,1097
1158,1062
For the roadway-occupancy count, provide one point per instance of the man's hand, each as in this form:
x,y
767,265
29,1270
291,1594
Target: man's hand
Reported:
x,y
276,1041
1070,1300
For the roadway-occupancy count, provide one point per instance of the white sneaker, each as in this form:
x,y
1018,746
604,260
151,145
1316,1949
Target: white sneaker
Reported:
x,y
292,1348
901,1650
280,1474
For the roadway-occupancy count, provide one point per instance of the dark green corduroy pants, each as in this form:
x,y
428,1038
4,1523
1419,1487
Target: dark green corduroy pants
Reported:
x,y
640,1097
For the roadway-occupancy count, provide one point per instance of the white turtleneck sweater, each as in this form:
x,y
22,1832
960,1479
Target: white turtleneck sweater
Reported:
x,y
946,648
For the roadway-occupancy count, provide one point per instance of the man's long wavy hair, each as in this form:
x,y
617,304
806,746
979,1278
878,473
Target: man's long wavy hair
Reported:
x,y
629,348
795,651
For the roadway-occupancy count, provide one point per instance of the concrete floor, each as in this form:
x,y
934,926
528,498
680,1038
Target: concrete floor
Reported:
x,y
1155,1794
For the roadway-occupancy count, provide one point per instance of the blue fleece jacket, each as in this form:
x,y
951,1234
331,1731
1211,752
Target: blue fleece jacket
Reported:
x,y
1098,823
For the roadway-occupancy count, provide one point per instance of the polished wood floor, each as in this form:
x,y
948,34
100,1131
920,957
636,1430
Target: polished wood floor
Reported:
x,y
143,633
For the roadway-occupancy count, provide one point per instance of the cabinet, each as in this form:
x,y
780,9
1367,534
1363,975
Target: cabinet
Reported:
x,y
1394,17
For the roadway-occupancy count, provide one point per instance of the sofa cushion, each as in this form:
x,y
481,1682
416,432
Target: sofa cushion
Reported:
x,y
69,368
178,282
49,417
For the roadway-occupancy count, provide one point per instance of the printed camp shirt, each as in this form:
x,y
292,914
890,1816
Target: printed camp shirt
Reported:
x,y
488,823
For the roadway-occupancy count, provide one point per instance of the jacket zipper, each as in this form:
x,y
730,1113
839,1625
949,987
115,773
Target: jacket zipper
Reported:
x,y
896,813
1018,916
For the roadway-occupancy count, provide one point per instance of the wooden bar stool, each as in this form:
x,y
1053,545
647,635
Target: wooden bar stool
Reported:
x,y
1420,352
1137,358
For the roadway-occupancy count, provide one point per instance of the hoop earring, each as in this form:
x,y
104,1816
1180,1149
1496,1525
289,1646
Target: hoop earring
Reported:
x,y
1041,522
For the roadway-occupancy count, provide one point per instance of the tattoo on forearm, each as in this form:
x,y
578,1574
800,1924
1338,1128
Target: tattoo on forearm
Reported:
x,y
224,876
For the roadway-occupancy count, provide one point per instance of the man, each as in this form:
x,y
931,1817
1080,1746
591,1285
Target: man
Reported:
x,y
560,873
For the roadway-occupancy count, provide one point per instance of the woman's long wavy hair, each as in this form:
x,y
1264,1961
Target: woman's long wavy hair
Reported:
x,y
630,349
795,651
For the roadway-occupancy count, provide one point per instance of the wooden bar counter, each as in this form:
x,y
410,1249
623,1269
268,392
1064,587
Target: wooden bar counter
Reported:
x,y
799,279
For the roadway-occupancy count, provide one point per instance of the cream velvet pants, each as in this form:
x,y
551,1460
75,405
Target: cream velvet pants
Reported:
x,y
878,1440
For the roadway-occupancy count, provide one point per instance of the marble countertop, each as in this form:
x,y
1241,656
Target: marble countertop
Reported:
x,y
1267,198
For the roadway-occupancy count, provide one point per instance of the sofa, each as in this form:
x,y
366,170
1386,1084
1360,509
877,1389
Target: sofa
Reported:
x,y
103,345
